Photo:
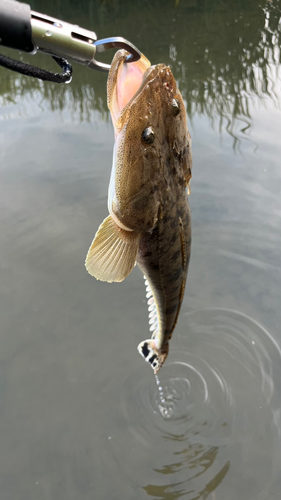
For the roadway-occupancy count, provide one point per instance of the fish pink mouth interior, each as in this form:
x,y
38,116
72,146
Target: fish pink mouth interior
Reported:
x,y
125,85
128,82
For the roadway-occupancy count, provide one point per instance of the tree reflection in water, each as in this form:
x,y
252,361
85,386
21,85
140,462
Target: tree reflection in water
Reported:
x,y
223,55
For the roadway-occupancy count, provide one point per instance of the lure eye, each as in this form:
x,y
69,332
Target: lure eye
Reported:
x,y
176,106
148,135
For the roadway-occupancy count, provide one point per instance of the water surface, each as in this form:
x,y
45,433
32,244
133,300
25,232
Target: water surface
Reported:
x,y
81,415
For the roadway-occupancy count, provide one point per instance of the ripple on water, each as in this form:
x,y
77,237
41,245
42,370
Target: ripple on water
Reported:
x,y
211,421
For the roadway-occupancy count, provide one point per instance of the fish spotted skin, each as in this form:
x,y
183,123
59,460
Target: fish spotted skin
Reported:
x,y
149,220
163,257
164,252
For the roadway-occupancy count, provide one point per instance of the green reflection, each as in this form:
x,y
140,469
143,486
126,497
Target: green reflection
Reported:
x,y
221,52
194,460
164,492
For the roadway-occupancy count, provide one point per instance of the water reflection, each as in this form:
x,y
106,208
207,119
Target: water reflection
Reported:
x,y
80,411
196,456
226,443
222,54
165,492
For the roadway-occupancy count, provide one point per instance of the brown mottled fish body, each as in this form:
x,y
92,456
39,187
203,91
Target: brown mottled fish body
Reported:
x,y
163,257
149,220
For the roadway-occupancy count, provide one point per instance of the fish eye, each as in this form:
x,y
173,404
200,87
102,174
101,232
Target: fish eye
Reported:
x,y
148,136
175,106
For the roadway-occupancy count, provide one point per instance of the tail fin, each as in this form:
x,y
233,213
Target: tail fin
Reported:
x,y
152,355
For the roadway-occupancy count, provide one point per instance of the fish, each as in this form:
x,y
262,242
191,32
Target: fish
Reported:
x,y
149,222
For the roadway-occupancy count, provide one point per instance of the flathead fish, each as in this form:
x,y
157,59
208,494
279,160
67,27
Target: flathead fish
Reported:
x,y
149,222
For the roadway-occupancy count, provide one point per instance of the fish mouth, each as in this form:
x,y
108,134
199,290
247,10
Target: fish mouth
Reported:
x,y
126,81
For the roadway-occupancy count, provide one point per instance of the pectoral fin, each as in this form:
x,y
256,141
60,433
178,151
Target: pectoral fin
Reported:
x,y
112,255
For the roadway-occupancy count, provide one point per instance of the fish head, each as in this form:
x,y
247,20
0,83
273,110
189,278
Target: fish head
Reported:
x,y
151,140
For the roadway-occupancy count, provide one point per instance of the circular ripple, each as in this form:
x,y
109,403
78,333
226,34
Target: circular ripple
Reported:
x,y
173,398
212,419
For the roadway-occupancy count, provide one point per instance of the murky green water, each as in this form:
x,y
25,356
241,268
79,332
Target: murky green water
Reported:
x,y
81,415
